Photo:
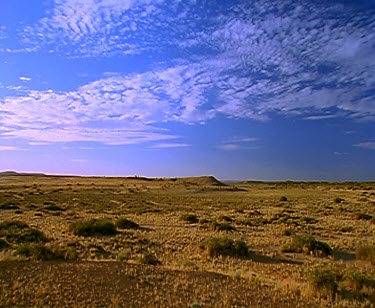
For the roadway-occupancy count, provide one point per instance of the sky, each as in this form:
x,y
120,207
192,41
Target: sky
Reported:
x,y
262,90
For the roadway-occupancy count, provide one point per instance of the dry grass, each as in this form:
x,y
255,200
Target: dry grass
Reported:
x,y
175,215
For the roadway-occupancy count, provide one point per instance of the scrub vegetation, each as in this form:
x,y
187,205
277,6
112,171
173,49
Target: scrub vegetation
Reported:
x,y
185,242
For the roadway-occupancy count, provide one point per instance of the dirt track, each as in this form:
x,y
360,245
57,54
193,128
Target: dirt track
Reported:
x,y
112,284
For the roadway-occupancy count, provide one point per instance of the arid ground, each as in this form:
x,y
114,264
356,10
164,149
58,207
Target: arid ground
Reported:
x,y
185,242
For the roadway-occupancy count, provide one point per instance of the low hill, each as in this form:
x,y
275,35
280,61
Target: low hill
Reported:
x,y
14,173
201,181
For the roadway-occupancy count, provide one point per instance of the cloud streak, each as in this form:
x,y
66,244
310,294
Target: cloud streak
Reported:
x,y
10,148
170,145
370,145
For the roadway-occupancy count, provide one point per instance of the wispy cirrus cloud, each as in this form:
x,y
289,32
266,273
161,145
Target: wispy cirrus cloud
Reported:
x,y
366,145
238,60
321,117
10,148
170,145
229,147
24,79
237,143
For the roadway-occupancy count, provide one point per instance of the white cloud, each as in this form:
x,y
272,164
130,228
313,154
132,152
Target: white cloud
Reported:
x,y
229,147
24,79
248,61
10,148
106,136
366,145
170,145
239,139
77,148
321,117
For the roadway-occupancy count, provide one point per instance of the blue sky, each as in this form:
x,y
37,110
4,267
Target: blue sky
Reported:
x,y
267,90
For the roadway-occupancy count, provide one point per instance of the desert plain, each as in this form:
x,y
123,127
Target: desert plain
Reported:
x,y
185,242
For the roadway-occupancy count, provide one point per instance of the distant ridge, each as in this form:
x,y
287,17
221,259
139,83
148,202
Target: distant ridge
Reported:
x,y
206,180
14,173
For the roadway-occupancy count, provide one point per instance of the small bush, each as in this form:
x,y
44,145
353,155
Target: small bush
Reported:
x,y
338,200
283,199
38,252
309,220
224,246
150,259
123,256
216,226
288,232
10,225
363,216
93,227
3,244
347,229
358,281
366,253
9,206
324,282
19,232
53,207
307,244
347,283
124,223
190,218
225,218
27,236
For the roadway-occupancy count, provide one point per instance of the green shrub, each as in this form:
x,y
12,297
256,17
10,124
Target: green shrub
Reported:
x,y
216,226
309,220
19,232
3,244
53,207
42,252
283,198
124,223
366,252
323,281
347,283
288,232
27,236
307,244
225,218
123,256
357,281
338,200
363,216
93,227
10,225
150,259
190,218
9,206
224,246
38,251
